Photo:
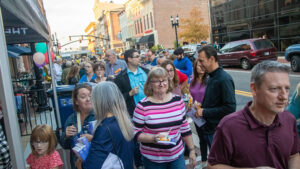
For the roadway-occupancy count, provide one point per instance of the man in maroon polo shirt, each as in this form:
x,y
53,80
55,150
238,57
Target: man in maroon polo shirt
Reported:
x,y
262,135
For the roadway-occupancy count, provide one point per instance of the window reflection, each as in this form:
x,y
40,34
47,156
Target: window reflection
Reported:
x,y
278,20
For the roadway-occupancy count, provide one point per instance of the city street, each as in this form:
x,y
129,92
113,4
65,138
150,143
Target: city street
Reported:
x,y
242,80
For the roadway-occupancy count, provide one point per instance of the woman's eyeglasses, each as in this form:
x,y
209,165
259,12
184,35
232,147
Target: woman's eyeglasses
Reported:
x,y
160,82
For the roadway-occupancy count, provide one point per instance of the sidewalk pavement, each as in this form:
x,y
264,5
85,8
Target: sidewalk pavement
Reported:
x,y
197,147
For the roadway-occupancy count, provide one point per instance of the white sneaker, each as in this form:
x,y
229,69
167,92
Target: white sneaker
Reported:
x,y
204,164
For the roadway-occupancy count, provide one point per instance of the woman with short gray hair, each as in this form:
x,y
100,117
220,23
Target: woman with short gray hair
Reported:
x,y
161,125
114,130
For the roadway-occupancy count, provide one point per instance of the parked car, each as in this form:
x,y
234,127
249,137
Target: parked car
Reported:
x,y
247,53
292,54
191,51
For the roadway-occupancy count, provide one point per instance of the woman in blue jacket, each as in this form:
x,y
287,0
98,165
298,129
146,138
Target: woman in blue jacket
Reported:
x,y
75,125
114,130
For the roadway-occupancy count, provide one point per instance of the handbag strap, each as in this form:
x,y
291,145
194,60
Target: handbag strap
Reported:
x,y
114,147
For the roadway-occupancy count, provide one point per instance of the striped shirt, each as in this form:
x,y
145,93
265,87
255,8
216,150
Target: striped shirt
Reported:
x,y
153,118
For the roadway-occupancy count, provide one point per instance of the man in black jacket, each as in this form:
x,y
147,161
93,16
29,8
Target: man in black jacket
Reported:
x,y
219,98
132,79
131,84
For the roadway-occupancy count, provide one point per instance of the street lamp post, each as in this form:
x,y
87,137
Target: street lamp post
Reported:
x,y
175,24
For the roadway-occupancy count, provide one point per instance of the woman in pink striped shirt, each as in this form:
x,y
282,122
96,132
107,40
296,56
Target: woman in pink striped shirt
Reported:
x,y
161,111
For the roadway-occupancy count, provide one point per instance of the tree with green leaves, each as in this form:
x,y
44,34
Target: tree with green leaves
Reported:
x,y
192,29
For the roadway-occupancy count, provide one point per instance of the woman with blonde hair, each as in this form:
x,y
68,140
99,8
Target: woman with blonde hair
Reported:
x,y
73,75
114,130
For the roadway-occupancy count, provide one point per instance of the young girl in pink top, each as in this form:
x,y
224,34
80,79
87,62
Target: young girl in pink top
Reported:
x,y
43,143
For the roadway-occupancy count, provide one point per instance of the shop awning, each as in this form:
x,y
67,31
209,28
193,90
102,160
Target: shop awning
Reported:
x,y
15,51
147,39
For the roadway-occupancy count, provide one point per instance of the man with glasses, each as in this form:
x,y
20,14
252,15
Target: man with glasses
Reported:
x,y
131,83
113,66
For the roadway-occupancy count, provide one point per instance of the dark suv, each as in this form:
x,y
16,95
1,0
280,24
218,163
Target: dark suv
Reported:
x,y
247,53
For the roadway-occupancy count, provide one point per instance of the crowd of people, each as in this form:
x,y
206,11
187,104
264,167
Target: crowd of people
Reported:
x,y
141,114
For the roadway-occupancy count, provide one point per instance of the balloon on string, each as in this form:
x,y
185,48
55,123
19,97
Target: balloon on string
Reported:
x,y
41,47
40,65
38,58
47,59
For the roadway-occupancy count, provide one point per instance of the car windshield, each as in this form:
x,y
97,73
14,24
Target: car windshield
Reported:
x,y
189,47
263,44
226,48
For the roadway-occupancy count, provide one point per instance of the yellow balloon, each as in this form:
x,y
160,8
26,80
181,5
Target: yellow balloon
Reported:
x,y
47,77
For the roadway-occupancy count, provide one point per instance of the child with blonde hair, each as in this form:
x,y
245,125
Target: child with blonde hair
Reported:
x,y
43,144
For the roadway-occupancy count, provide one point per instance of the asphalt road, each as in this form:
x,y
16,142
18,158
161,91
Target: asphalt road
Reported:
x,y
241,80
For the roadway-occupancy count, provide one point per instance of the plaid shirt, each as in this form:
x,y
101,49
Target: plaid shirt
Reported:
x,y
4,152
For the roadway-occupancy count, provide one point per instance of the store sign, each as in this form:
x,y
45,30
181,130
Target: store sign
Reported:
x,y
16,31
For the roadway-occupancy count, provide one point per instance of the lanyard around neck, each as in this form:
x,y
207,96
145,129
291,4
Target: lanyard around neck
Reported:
x,y
78,122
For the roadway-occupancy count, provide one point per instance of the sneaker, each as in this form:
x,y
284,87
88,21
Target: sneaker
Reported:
x,y
204,164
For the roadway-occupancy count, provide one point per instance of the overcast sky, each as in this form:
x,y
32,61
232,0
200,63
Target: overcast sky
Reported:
x,y
70,17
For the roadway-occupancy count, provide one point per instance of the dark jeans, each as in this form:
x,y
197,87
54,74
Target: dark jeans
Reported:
x,y
203,143
209,139
137,155
59,83
176,164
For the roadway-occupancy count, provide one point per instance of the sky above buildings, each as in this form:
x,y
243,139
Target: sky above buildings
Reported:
x,y
70,17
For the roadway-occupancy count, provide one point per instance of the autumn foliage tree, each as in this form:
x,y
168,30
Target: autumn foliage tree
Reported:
x,y
193,29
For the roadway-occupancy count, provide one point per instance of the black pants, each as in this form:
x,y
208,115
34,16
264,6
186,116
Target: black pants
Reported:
x,y
203,143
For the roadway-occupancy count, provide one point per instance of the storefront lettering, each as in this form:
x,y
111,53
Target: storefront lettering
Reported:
x,y
16,31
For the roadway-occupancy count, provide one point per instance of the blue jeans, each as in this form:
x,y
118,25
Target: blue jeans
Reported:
x,y
208,138
176,164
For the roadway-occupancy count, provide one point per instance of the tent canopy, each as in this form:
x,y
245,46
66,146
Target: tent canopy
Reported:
x,y
23,22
